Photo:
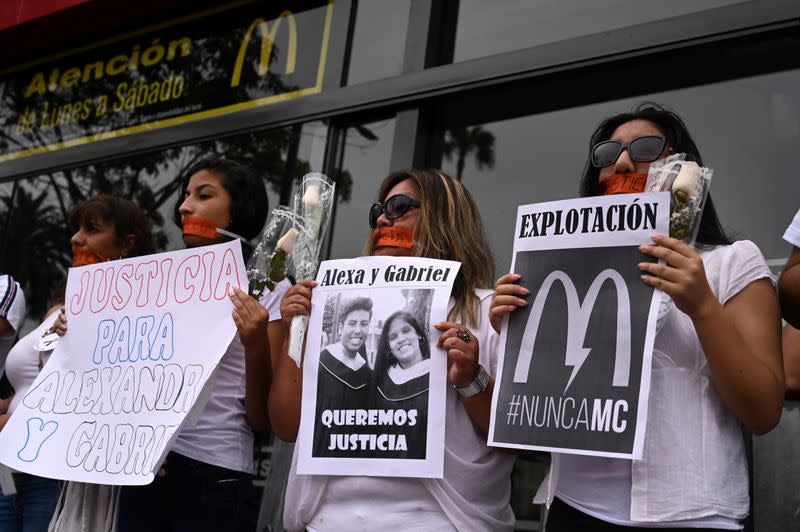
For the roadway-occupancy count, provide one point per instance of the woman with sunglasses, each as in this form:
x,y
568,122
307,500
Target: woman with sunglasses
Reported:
x,y
421,213
716,362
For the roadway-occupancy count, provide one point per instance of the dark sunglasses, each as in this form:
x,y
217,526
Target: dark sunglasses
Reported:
x,y
393,208
641,150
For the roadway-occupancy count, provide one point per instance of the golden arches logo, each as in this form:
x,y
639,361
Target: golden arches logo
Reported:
x,y
267,38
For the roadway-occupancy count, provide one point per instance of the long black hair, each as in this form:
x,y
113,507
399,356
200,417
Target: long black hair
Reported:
x,y
384,359
678,137
249,202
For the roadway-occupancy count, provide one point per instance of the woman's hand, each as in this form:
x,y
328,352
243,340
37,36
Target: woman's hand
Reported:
x,y
251,319
462,357
297,301
60,325
507,297
682,278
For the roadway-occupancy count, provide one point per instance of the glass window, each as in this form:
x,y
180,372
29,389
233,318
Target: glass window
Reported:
x,y
379,40
364,165
487,28
747,130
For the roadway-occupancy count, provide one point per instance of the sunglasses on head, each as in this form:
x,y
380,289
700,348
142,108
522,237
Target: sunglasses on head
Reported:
x,y
393,208
641,150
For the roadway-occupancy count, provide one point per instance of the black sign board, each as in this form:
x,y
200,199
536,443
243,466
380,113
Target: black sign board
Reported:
x,y
575,372
227,59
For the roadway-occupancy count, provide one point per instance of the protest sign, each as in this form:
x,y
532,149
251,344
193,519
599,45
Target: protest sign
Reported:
x,y
575,374
374,381
144,336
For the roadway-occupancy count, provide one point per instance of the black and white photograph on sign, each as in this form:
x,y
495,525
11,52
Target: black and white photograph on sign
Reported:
x,y
372,360
374,381
575,372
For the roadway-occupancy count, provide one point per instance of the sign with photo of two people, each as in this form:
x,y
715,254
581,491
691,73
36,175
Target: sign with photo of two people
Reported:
x,y
575,374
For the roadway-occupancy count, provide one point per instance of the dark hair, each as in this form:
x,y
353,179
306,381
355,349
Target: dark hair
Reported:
x,y
249,202
384,358
678,137
358,303
125,215
59,295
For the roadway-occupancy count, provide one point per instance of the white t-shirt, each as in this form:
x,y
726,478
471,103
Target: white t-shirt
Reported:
x,y
694,471
22,364
473,495
222,436
12,308
792,234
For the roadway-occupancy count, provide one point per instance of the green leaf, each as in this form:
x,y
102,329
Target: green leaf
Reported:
x,y
277,266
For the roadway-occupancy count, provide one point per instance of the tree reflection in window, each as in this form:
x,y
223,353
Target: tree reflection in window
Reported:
x,y
462,142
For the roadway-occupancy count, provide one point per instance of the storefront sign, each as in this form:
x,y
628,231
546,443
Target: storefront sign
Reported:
x,y
227,59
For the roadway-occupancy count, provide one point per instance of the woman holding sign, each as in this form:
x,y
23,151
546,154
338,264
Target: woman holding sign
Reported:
x,y
106,227
421,213
206,480
716,361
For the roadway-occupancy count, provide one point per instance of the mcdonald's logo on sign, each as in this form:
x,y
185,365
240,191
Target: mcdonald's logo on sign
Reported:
x,y
268,34
578,320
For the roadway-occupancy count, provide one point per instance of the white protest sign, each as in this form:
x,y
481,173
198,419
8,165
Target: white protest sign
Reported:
x,y
144,335
374,381
575,374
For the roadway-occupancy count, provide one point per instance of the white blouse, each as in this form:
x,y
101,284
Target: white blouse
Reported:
x,y
222,436
22,364
693,471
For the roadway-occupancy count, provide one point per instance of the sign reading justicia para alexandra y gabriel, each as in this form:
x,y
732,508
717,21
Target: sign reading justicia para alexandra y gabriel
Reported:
x,y
132,369
575,374
235,56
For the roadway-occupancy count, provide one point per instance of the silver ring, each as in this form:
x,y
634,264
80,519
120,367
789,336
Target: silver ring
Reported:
x,y
463,335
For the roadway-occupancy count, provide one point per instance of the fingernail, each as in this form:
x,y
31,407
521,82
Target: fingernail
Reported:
x,y
526,291
644,247
516,276
231,292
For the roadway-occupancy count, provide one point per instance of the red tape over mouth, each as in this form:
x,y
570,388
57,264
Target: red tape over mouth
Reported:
x,y
86,256
394,237
631,183
199,227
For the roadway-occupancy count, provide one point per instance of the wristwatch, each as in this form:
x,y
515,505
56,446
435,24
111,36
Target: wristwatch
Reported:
x,y
478,384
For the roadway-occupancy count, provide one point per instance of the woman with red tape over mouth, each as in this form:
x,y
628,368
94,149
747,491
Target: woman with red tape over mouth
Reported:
x,y
105,228
716,361
206,481
421,213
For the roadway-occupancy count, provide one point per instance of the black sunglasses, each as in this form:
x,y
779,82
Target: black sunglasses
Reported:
x,y
641,150
393,208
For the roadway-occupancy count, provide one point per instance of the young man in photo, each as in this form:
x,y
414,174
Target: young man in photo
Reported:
x,y
344,375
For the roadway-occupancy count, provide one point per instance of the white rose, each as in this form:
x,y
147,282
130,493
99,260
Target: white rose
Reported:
x,y
686,181
286,242
311,197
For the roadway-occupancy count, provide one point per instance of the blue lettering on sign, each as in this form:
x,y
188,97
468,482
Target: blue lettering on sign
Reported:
x,y
118,341
39,431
